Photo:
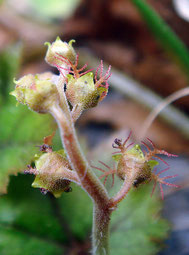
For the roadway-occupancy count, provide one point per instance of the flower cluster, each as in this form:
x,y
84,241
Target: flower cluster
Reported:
x,y
40,92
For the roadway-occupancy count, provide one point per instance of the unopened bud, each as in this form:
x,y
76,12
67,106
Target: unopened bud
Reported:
x,y
37,92
59,49
53,173
83,91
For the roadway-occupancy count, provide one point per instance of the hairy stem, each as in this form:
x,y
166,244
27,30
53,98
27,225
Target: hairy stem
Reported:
x,y
88,180
122,193
76,112
77,160
100,232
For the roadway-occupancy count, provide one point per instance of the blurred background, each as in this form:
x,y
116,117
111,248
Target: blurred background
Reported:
x,y
146,43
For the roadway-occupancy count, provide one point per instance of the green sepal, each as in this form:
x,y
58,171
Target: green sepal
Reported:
x,y
116,157
136,152
62,153
71,42
152,164
47,44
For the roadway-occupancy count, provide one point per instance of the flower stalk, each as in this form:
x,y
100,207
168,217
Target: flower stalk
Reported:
x,y
77,160
89,182
100,231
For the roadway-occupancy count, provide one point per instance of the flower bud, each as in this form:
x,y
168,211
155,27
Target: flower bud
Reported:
x,y
58,49
52,173
38,92
133,163
83,91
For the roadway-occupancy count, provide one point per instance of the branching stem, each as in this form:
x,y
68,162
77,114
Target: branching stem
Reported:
x,y
127,185
90,183
77,160
76,112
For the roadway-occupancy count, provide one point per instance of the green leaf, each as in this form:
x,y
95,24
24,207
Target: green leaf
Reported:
x,y
20,131
164,34
116,157
25,214
136,225
9,63
29,223
77,210
15,242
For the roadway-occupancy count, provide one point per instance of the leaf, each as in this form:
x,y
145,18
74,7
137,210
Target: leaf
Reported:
x,y
9,63
29,224
164,34
25,214
136,225
77,210
15,242
20,129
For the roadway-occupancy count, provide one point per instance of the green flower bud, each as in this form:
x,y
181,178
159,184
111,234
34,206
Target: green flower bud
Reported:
x,y
38,92
83,91
58,49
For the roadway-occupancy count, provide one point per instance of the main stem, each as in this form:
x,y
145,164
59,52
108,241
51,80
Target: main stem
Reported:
x,y
89,182
100,231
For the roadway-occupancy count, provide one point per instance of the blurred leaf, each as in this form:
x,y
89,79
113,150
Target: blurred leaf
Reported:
x,y
77,210
136,224
9,63
29,225
164,34
15,242
48,12
20,129
55,8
